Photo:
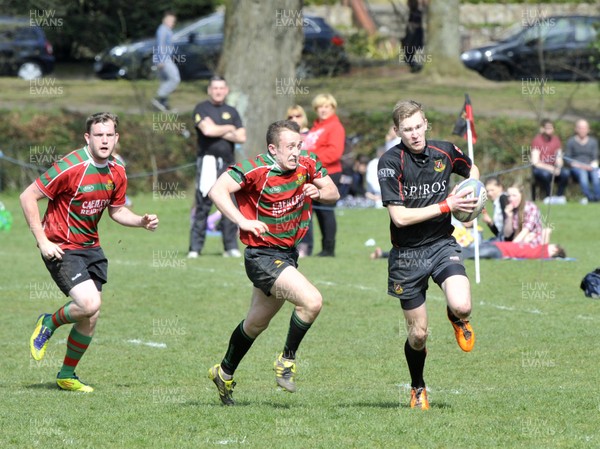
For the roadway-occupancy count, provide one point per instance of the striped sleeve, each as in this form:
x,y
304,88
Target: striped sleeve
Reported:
x,y
56,179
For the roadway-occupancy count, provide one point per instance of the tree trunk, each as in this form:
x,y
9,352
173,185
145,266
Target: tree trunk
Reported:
x,y
443,39
262,46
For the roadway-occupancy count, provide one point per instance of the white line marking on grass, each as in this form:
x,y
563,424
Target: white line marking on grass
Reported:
x,y
149,264
511,309
356,287
152,344
408,387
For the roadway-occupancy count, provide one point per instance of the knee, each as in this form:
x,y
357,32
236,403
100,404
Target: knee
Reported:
x,y
314,304
254,328
417,338
90,306
463,311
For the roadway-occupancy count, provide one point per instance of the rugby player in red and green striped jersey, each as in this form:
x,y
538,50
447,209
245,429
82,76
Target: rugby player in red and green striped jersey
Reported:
x,y
274,192
79,187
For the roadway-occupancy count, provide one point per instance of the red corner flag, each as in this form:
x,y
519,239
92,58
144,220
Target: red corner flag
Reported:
x,y
460,127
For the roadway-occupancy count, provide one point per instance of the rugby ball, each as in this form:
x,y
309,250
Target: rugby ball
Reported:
x,y
477,191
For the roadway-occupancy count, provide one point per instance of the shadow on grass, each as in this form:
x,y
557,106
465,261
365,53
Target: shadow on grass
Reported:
x,y
217,403
391,405
44,386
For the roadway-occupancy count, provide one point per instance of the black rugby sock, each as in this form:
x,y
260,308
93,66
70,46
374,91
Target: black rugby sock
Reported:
x,y
416,364
239,344
296,333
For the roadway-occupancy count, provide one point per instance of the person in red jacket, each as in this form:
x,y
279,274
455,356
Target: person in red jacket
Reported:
x,y
327,139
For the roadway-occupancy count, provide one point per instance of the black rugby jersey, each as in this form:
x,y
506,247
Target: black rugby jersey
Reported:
x,y
419,180
221,114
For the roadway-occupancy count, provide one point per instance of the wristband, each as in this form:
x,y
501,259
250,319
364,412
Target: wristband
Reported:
x,y
444,208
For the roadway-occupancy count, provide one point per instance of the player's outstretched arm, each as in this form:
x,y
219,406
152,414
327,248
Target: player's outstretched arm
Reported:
x,y
126,217
220,194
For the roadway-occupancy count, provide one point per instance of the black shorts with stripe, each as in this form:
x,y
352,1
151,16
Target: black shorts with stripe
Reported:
x,y
77,266
409,269
265,264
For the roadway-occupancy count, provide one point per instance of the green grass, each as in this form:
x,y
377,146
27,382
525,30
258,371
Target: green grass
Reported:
x,y
365,89
530,382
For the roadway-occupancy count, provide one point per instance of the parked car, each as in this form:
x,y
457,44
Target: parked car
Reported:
x,y
199,45
24,50
555,48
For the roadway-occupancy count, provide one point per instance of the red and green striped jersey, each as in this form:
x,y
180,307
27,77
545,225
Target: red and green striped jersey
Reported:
x,y
276,198
79,190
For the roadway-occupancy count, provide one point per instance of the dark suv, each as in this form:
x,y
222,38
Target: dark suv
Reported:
x,y
24,50
198,46
557,48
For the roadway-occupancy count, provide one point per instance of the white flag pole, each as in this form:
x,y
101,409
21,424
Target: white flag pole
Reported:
x,y
475,229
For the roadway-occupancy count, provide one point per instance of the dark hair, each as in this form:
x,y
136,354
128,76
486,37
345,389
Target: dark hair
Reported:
x,y
560,252
362,159
169,13
546,121
216,78
101,117
276,128
493,180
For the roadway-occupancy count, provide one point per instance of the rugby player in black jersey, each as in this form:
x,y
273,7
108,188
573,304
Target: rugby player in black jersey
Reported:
x,y
415,186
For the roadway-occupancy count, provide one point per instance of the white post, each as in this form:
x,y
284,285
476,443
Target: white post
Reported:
x,y
476,231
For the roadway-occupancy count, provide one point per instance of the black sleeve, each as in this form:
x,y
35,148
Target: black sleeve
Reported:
x,y
390,180
503,204
494,229
461,163
237,120
199,113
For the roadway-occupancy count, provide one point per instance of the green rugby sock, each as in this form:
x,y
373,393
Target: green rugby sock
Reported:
x,y
76,347
59,318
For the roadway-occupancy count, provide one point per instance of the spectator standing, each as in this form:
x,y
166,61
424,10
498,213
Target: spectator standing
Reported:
x,y
219,127
296,113
327,140
414,39
163,58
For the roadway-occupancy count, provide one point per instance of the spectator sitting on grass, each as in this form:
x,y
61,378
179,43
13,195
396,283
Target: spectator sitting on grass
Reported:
x,y
512,250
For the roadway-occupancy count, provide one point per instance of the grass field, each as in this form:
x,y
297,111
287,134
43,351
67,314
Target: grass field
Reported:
x,y
530,382
373,89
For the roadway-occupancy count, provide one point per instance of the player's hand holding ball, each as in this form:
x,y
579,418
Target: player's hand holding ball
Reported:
x,y
468,200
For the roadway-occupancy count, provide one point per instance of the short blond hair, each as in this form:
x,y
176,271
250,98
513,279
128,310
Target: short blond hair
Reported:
x,y
405,109
297,109
324,99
